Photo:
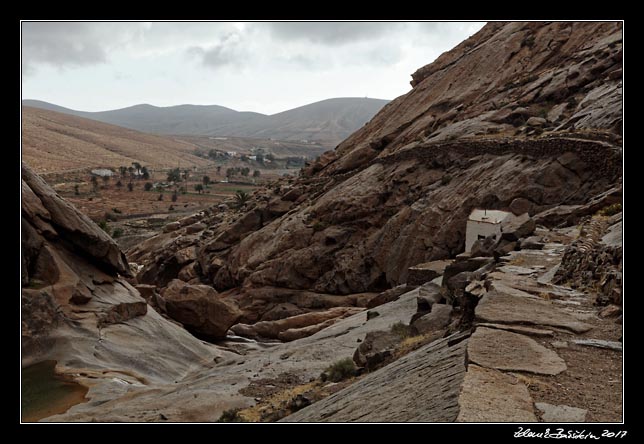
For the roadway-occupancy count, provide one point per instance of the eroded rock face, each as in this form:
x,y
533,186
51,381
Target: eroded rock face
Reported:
x,y
78,309
398,192
289,328
47,212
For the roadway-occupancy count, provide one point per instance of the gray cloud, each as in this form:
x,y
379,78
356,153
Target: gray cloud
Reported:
x,y
60,44
227,51
329,33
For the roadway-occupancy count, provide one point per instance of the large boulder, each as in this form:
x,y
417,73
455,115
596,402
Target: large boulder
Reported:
x,y
520,206
199,308
421,273
484,247
438,319
515,228
469,264
376,347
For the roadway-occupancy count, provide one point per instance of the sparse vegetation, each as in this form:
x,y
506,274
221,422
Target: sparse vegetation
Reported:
x,y
401,329
94,183
118,232
256,173
76,192
147,186
231,415
199,188
339,370
137,166
241,197
174,175
205,180
104,226
175,196
160,197
119,184
130,186
611,210
110,216
446,179
116,210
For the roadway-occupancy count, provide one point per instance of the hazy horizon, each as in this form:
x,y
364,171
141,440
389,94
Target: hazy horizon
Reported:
x,y
265,67
199,104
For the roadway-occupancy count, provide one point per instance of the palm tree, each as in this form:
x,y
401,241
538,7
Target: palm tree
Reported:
x,y
137,165
174,175
241,197
199,188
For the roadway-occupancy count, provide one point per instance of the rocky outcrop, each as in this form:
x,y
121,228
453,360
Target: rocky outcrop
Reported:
x,y
45,212
78,309
376,347
398,192
591,264
122,312
437,319
285,329
199,308
421,273
435,371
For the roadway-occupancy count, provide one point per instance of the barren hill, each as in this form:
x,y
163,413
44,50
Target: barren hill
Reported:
x,y
328,121
52,141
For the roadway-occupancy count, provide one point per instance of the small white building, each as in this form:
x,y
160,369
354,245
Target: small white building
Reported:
x,y
483,223
103,172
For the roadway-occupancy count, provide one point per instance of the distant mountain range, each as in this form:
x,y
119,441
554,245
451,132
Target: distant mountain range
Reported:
x,y
328,121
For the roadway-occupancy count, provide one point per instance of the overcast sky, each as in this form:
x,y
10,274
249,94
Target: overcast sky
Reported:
x,y
266,67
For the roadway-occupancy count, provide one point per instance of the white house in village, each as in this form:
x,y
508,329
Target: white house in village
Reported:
x,y
102,172
483,223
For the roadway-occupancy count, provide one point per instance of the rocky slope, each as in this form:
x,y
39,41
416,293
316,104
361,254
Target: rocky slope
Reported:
x,y
492,338
521,115
79,310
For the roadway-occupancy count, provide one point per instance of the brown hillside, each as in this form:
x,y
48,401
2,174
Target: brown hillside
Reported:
x,y
54,142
